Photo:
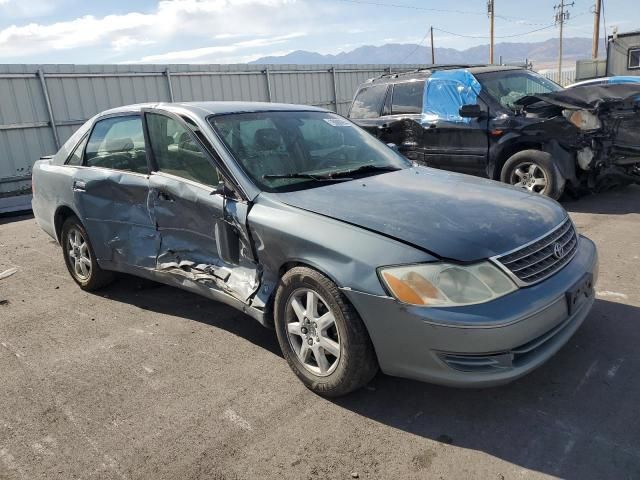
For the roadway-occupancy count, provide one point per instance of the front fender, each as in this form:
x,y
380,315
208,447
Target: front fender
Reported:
x,y
347,254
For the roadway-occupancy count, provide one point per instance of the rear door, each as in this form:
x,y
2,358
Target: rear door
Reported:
x,y
111,188
198,221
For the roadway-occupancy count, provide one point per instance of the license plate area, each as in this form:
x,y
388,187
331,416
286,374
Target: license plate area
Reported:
x,y
580,292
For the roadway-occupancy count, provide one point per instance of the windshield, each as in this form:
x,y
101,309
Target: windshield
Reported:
x,y
510,86
295,149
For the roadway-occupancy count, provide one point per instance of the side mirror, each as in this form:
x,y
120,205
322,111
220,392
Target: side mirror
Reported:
x,y
471,111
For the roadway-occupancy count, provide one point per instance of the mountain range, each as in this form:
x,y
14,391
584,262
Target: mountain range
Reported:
x,y
542,54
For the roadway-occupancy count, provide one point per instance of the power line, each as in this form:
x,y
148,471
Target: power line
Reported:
x,y
439,10
500,36
411,7
417,46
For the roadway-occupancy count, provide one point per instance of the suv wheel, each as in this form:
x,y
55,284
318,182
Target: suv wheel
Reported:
x,y
321,335
79,257
534,171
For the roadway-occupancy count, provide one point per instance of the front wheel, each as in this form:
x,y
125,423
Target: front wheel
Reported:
x,y
321,335
534,171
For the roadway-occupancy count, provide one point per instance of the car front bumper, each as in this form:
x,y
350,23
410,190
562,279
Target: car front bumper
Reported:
x,y
480,345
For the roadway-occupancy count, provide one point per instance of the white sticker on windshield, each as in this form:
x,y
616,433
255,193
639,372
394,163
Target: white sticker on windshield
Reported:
x,y
338,122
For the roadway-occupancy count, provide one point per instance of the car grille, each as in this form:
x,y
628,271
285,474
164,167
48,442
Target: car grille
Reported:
x,y
544,257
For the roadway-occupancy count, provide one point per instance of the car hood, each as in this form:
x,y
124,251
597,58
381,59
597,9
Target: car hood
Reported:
x,y
588,97
449,215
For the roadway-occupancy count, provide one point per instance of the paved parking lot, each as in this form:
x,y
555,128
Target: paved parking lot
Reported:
x,y
146,381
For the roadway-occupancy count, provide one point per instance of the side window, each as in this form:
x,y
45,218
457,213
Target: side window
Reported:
x,y
368,102
634,58
76,156
177,153
117,143
444,99
407,98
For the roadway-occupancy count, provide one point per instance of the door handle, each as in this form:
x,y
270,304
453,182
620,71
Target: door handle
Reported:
x,y
165,196
79,186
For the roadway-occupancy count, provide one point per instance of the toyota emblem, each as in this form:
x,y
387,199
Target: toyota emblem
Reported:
x,y
558,250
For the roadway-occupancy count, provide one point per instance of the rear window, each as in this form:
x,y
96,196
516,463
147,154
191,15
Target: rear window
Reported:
x,y
407,98
368,102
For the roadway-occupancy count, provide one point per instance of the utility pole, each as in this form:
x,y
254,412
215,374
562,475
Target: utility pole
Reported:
x,y
596,30
433,51
490,12
561,17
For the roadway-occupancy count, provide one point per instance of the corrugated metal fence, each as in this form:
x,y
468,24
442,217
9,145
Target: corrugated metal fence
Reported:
x,y
567,77
41,106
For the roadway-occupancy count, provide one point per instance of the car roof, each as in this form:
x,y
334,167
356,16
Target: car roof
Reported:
x,y
216,108
428,71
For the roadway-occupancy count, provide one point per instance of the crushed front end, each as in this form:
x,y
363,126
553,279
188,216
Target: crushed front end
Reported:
x,y
606,143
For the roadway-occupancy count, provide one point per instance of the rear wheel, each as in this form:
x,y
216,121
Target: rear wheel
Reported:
x,y
321,335
533,170
80,258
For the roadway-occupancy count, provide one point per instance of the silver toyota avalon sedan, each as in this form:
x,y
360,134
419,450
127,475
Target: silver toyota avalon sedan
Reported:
x,y
358,259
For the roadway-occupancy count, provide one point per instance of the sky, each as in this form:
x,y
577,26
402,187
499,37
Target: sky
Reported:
x,y
239,31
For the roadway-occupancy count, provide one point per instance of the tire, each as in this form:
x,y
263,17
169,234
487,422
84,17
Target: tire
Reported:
x,y
80,258
347,367
529,168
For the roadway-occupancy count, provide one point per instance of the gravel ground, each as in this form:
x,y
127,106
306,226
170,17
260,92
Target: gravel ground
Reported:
x,y
146,381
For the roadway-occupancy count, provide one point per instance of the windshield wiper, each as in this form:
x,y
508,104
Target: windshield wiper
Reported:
x,y
310,176
339,175
363,169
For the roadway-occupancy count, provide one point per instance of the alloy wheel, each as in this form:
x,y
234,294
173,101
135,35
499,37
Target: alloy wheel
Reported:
x,y
79,256
312,332
530,176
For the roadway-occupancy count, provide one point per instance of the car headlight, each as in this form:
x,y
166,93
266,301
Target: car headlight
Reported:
x,y
446,284
583,119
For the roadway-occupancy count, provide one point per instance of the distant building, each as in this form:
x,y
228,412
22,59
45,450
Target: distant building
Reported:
x,y
623,58
623,53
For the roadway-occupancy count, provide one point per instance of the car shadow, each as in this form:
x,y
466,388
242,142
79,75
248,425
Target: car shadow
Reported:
x,y
576,417
618,201
10,217
160,298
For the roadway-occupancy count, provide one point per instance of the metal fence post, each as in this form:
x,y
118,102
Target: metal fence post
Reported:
x,y
335,87
167,73
268,78
47,101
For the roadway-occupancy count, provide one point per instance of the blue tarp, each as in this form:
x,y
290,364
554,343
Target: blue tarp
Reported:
x,y
445,92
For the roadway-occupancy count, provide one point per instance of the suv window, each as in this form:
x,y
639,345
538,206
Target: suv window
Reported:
x,y
368,102
76,156
177,153
634,58
117,143
407,98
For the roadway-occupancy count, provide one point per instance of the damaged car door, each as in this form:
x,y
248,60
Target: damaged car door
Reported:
x,y
200,220
110,190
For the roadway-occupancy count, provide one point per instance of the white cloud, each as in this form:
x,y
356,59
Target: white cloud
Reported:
x,y
22,8
201,54
205,19
126,42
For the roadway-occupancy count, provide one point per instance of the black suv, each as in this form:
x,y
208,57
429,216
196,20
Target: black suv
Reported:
x,y
507,123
